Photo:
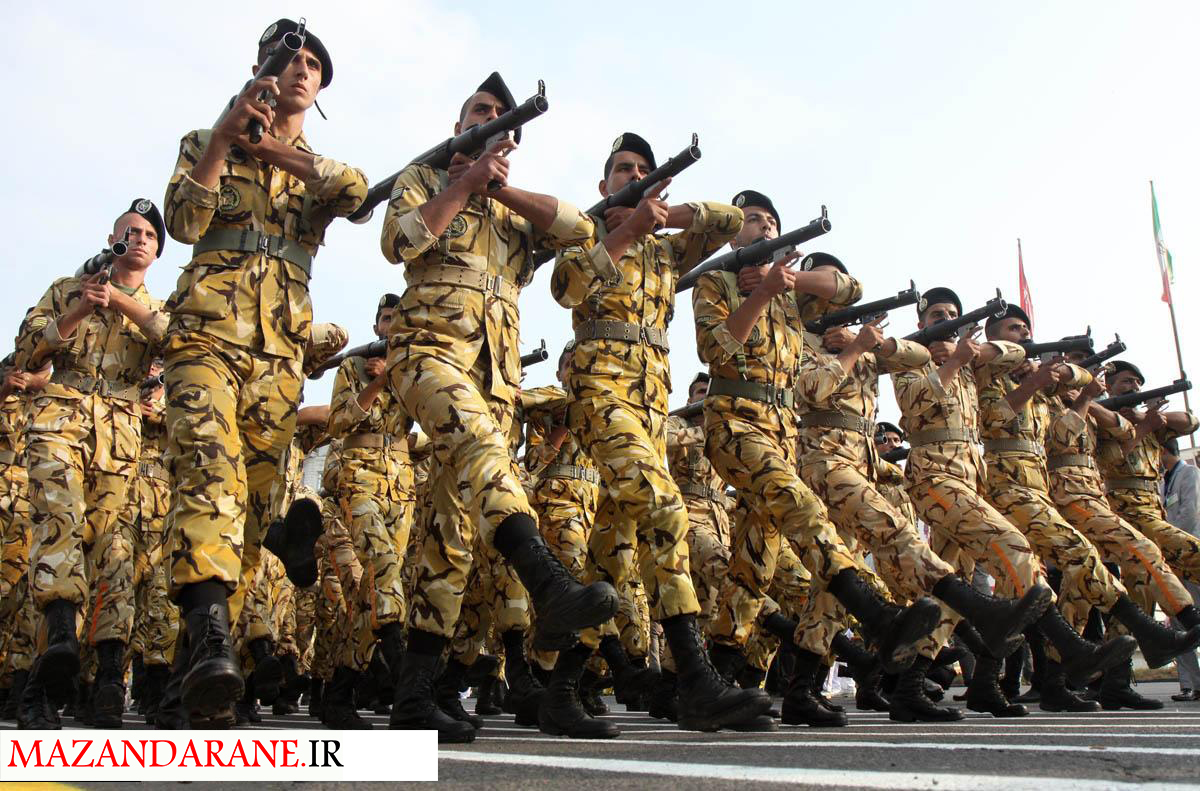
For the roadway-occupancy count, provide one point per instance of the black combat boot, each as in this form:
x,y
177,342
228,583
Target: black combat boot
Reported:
x,y
909,701
525,692
728,660
137,684
485,697
1038,659
868,693
801,705
1056,696
108,690
997,620
1081,659
1189,616
563,605
154,689
751,677
663,703
818,690
1010,681
57,668
628,680
1159,642
415,707
589,694
894,630
706,702
246,709
268,671
19,679
984,693
561,713
391,646
316,698
1116,691
448,689
171,715
82,710
213,681
339,711
35,712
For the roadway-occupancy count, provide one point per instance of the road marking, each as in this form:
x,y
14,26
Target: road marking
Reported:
x,y
824,777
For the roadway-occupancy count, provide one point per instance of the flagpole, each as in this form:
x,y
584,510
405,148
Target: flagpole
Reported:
x,y
1162,268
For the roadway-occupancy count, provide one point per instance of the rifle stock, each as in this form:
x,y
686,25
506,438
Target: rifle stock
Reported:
x,y
895,455
688,411
367,350
864,313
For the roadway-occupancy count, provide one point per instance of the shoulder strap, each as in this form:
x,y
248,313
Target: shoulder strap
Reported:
x,y
734,298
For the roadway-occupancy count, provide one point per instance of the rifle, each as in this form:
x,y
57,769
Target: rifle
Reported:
x,y
367,351
633,192
864,313
1105,354
895,455
151,382
102,261
1117,403
1053,349
471,142
944,329
278,58
538,355
688,411
759,252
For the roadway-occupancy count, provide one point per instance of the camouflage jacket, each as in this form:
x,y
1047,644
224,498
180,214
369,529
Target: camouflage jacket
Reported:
x,y
250,299
1070,434
544,409
925,405
685,455
384,471
451,322
1143,462
14,417
638,289
772,355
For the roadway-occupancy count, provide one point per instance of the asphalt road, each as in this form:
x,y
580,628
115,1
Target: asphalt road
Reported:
x,y
1045,752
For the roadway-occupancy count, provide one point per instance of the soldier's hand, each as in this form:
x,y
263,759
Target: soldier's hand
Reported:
x,y
837,338
95,293
1050,374
748,277
940,351
459,164
1154,419
16,380
1096,387
492,166
651,212
246,108
376,366
967,348
616,216
869,337
779,279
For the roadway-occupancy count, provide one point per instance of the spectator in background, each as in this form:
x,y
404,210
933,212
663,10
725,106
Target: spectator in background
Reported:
x,y
1181,494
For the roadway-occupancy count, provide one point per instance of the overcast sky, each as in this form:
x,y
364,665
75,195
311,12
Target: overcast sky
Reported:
x,y
936,133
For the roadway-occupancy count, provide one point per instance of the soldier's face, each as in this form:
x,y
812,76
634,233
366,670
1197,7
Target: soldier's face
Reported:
x,y
887,441
937,312
156,368
697,392
479,109
385,321
1013,330
142,241
1123,383
626,167
758,224
299,83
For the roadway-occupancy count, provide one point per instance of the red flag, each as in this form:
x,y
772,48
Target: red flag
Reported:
x,y
1026,298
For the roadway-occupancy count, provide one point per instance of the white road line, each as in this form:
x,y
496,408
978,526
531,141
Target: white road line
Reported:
x,y
964,746
856,778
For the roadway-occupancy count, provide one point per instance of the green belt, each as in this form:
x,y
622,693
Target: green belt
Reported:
x,y
8,457
152,469
768,394
837,420
603,329
688,488
1014,446
250,241
933,435
1071,460
572,471
1131,483
91,384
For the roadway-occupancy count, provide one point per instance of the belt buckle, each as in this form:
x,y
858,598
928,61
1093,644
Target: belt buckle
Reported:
x,y
773,393
492,283
263,243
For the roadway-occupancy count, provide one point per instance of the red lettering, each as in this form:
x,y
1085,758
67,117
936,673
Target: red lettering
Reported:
x,y
57,751
35,752
112,759
189,750
239,753
214,752
87,743
259,747
289,757
127,748
154,745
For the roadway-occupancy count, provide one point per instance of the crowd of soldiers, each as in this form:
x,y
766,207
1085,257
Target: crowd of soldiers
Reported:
x,y
547,544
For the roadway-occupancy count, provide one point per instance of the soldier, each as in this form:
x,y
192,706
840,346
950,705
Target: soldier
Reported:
x,y
621,292
375,496
466,238
839,386
83,443
889,475
256,212
1078,492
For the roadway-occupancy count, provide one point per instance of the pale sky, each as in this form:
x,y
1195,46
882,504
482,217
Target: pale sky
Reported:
x,y
937,133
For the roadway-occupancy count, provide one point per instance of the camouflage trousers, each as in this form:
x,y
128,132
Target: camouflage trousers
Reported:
x,y
1086,582
341,576
903,560
14,527
495,601
1144,571
306,625
1144,511
773,503
19,642
231,414
788,593
156,620
708,552
640,517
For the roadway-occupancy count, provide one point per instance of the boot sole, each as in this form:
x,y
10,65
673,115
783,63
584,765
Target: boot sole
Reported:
x,y
739,711
1157,660
56,671
1004,714
551,728
205,697
1001,645
108,701
1109,655
561,627
917,621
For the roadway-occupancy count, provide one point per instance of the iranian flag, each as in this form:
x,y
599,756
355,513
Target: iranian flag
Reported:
x,y
1026,297
1164,255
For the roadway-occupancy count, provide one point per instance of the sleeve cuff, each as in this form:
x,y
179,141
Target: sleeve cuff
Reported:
x,y
357,413
52,337
566,222
699,219
156,327
1004,409
325,173
1073,423
412,225
603,266
908,356
726,341
196,193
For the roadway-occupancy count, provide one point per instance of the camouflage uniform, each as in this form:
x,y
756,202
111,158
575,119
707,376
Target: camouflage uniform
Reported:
x,y
889,481
83,443
752,444
14,532
339,573
1131,482
376,498
241,317
619,379
1018,485
1078,492
945,469
455,365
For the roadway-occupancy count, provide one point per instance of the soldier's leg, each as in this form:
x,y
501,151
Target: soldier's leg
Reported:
x,y
1144,511
708,554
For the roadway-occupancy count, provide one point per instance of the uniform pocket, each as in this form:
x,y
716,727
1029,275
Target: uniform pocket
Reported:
x,y
205,290
126,434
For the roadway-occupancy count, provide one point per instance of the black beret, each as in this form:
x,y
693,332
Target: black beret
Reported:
x,y
1011,312
630,142
495,85
1121,365
884,427
936,296
754,198
277,30
388,300
146,209
813,260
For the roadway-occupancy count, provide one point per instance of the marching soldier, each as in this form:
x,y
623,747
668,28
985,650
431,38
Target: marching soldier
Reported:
x,y
256,212
466,238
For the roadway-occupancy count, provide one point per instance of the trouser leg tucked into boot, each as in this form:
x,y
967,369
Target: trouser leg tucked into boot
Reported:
x,y
561,712
57,668
801,706
984,693
706,702
415,707
894,630
1117,692
449,688
1081,659
213,680
1057,696
1159,642
909,701
339,711
997,620
108,690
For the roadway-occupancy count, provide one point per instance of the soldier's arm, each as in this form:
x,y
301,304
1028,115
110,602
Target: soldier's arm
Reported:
x,y
581,271
190,203
151,321
709,227
1179,424
715,342
821,376
681,434
346,410
414,220
917,392
558,224
907,356
339,188
41,336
